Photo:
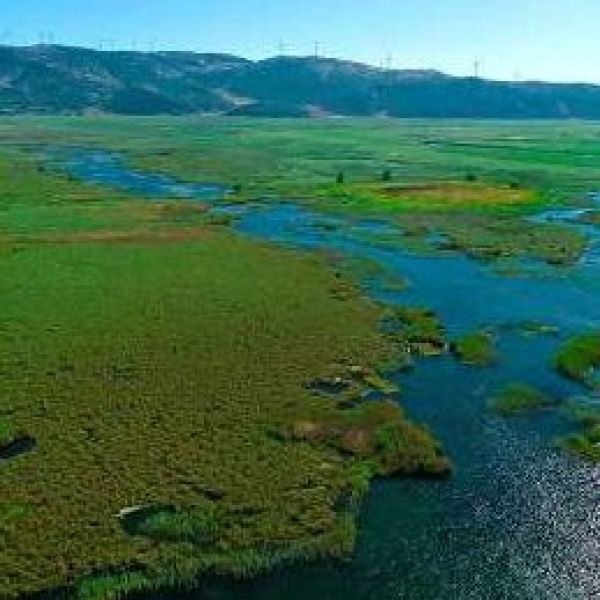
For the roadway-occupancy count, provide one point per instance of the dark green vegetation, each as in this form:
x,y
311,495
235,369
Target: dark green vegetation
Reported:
x,y
578,358
517,398
55,79
585,443
417,330
158,360
475,349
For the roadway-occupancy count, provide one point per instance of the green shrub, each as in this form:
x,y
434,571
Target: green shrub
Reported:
x,y
476,349
578,356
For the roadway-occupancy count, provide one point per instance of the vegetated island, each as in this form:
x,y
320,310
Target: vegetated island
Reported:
x,y
578,358
584,443
475,349
516,399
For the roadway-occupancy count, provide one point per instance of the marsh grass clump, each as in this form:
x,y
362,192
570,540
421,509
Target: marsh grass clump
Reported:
x,y
378,434
408,450
418,329
492,238
518,399
196,525
475,349
584,443
111,586
578,357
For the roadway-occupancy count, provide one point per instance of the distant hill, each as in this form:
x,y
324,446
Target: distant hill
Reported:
x,y
63,80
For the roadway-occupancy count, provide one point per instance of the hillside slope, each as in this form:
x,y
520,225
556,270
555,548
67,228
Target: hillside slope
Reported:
x,y
63,80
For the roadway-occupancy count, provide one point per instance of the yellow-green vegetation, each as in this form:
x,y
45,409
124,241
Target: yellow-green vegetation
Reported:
x,y
475,349
518,398
584,444
579,356
441,196
160,361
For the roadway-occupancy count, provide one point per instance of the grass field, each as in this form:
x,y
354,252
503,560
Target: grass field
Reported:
x,y
471,182
296,156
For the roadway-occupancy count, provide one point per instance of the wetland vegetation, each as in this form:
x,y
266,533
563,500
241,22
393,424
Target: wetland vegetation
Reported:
x,y
518,398
195,401
585,443
579,357
475,349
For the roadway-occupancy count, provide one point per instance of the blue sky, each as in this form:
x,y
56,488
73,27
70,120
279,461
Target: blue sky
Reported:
x,y
544,39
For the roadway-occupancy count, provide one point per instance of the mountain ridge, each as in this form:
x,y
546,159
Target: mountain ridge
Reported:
x,y
52,79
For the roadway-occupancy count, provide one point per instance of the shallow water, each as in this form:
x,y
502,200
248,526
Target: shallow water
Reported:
x,y
103,168
518,520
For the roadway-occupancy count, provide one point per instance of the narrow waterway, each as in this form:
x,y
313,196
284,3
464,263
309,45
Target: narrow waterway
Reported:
x,y
518,520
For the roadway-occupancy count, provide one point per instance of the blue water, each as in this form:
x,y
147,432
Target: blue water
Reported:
x,y
103,168
518,520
